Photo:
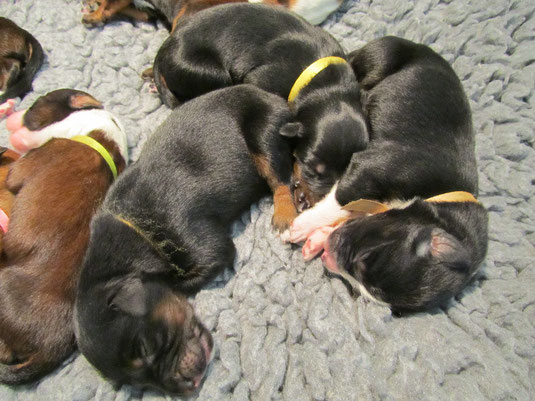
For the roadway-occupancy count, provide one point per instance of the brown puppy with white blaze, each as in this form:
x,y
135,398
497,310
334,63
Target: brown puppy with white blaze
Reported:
x,y
21,56
58,187
170,11
427,242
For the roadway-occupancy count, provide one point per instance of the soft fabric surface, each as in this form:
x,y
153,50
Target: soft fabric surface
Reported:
x,y
283,329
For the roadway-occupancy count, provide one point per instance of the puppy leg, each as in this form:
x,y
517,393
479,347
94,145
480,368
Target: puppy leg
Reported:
x,y
106,10
285,211
134,13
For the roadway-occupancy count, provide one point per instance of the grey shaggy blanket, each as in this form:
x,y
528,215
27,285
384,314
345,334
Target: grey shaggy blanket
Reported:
x,y
284,330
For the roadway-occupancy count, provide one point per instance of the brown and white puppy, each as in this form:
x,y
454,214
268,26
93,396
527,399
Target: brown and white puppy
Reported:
x,y
57,187
170,11
21,56
7,156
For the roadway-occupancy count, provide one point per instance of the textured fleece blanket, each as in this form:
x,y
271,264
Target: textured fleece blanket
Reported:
x,y
284,330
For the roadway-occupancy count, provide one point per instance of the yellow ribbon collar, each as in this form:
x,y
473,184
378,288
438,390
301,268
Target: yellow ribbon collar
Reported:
x,y
157,247
310,72
367,206
94,144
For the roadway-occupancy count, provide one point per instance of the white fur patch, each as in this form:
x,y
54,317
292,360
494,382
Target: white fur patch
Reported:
x,y
315,11
84,121
361,289
143,4
324,213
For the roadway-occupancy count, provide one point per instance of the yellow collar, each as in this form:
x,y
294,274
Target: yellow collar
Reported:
x,y
94,144
157,247
366,206
310,72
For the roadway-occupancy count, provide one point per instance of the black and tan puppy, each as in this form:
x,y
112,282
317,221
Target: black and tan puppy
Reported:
x,y
282,54
412,253
57,188
21,56
171,11
163,232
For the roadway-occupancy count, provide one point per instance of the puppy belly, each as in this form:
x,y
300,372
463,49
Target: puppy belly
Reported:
x,y
325,213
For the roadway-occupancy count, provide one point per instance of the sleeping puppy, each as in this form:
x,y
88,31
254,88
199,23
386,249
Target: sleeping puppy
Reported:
x,y
412,253
7,156
57,188
163,233
281,53
170,11
21,56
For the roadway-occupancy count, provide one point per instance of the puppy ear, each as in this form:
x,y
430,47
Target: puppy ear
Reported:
x,y
293,130
445,248
84,101
131,298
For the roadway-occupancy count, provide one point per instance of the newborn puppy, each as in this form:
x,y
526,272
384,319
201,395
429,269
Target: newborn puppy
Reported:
x,y
21,56
281,53
57,189
163,233
412,253
170,11
7,156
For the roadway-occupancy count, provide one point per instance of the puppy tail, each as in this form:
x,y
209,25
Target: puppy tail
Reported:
x,y
33,368
24,81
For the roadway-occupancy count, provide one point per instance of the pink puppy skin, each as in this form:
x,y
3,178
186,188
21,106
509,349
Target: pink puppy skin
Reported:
x,y
21,138
7,108
316,242
328,260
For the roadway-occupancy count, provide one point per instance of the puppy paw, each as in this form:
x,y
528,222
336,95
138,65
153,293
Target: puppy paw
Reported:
x,y
285,212
7,108
315,243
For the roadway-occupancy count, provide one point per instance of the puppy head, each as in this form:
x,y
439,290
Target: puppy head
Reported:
x,y
326,138
62,113
401,258
130,324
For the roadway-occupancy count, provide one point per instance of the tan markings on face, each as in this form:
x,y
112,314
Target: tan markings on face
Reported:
x,y
171,311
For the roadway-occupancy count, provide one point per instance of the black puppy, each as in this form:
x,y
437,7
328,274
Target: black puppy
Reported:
x,y
163,233
21,56
281,53
419,253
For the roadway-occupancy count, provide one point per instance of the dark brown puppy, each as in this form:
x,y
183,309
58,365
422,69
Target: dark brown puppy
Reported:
x,y
170,11
7,157
21,56
57,189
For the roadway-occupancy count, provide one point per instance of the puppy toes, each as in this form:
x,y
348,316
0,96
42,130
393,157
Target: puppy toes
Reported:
x,y
315,242
7,108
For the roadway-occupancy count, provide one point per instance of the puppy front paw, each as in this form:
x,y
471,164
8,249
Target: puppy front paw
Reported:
x,y
284,213
301,196
315,243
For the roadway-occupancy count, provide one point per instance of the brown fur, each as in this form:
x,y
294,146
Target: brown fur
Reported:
x,y
6,197
57,188
284,208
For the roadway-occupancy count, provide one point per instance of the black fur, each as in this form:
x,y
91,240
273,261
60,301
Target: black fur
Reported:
x,y
269,47
422,144
21,56
194,177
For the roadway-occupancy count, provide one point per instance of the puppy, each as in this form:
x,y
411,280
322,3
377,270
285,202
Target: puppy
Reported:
x,y
7,156
170,11
282,54
413,253
163,232
21,56
57,188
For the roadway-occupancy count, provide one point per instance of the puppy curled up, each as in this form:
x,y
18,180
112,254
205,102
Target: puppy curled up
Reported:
x,y
162,233
282,54
429,238
57,187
